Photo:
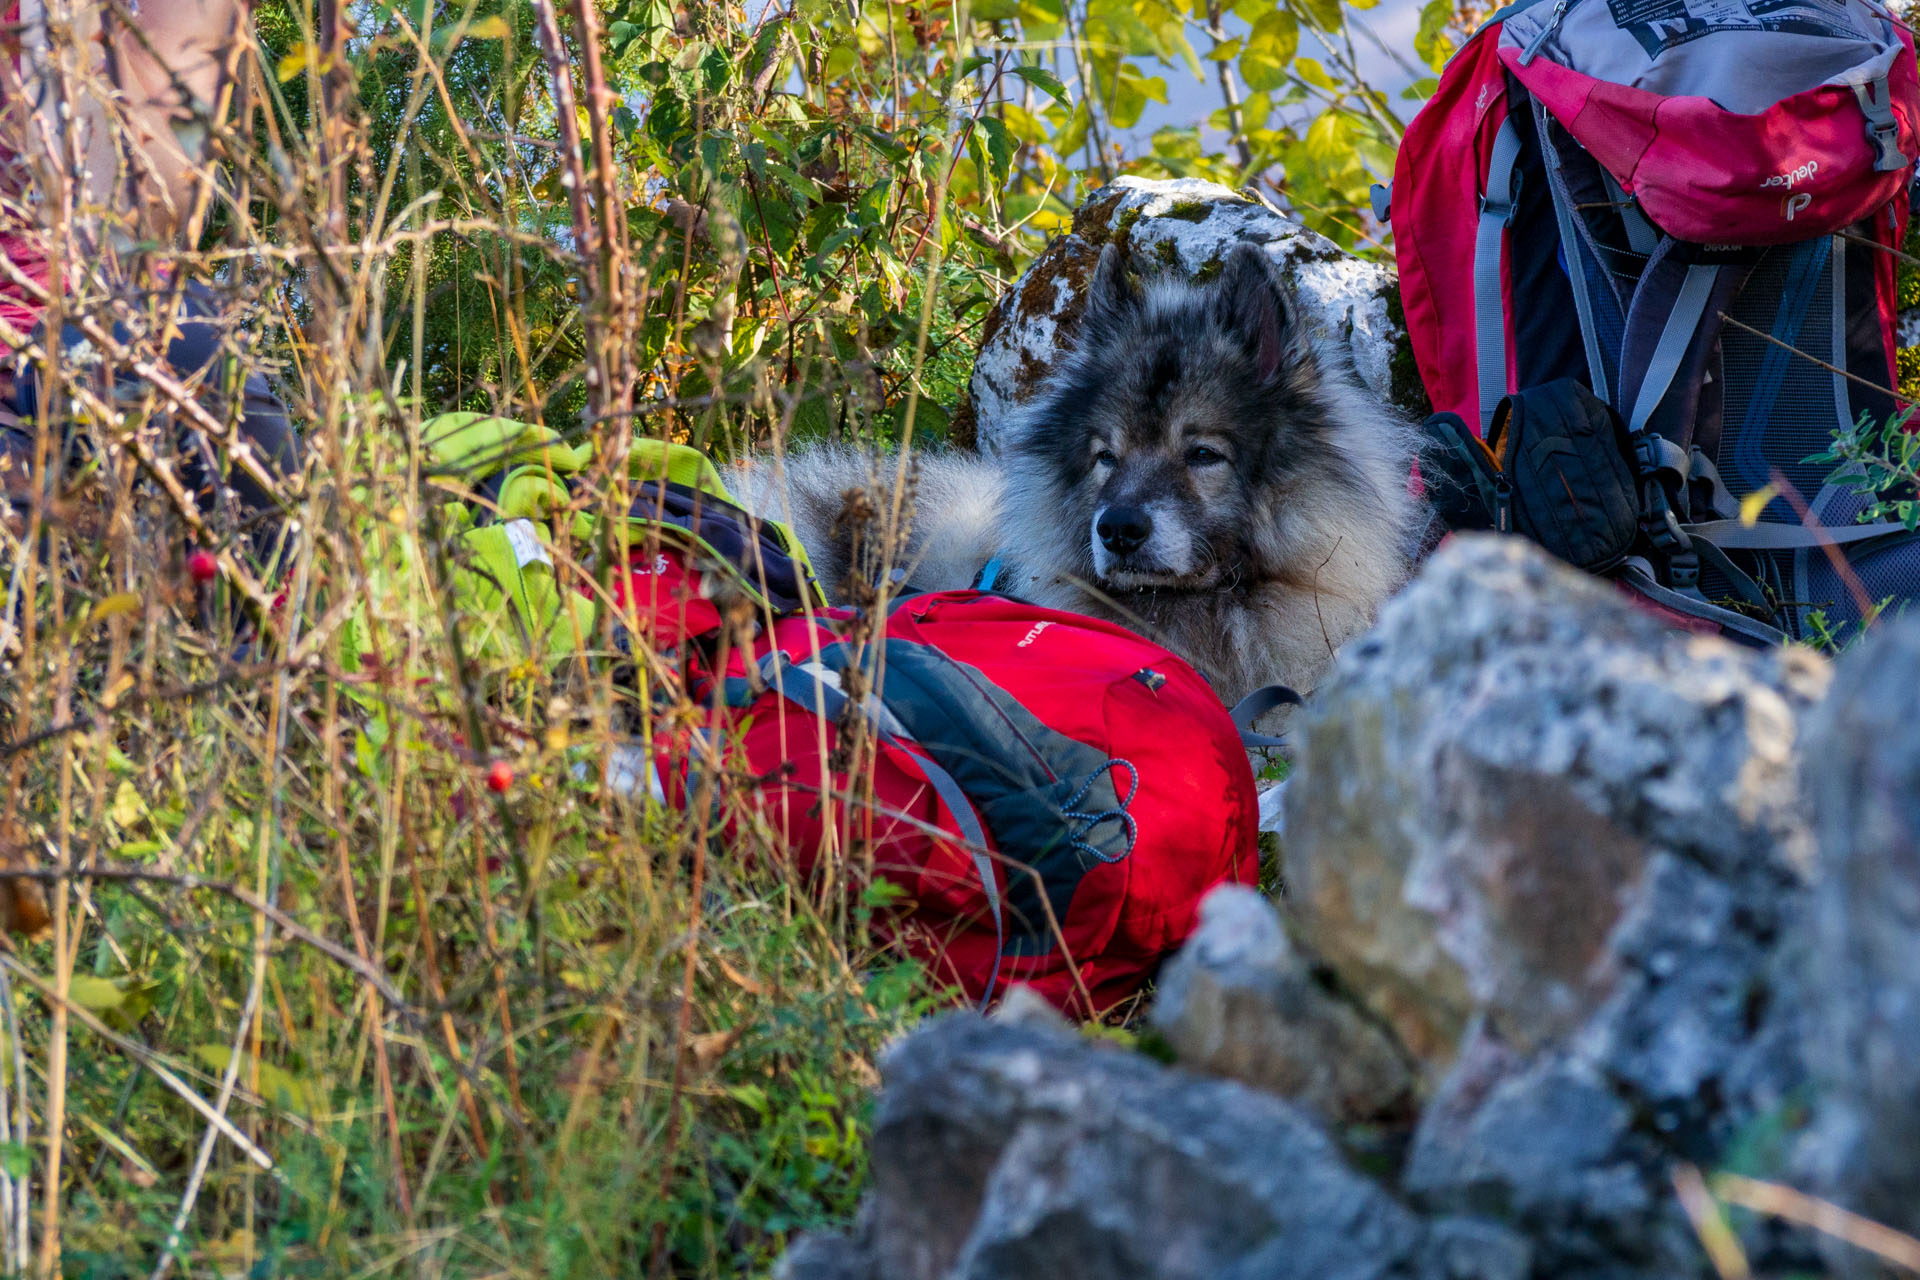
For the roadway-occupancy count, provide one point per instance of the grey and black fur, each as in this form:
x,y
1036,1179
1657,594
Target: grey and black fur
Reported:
x,y
1197,469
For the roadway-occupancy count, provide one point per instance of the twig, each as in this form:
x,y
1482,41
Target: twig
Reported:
x,y
1776,1201
22,1209
286,923
145,1057
1885,391
136,698
1835,556
1710,1225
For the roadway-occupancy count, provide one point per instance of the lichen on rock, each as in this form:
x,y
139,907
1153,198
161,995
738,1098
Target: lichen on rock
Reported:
x,y
1189,226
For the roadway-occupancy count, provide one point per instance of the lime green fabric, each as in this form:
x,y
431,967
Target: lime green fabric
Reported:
x,y
477,445
511,601
513,605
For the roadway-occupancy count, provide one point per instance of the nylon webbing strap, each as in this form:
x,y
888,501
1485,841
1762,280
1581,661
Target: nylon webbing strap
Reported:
x,y
1642,235
962,809
1489,311
1572,247
1735,536
1883,131
1676,338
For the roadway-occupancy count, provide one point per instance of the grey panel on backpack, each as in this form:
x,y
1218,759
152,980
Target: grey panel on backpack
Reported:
x,y
1779,405
1892,571
1673,47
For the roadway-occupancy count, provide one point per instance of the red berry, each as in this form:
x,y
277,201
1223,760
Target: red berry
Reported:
x,y
499,777
203,566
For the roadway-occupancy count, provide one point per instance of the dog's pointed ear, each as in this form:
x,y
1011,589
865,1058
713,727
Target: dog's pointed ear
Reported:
x,y
1255,305
1110,294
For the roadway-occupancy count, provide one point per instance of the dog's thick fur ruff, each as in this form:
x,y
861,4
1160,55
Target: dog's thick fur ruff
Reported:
x,y
1274,489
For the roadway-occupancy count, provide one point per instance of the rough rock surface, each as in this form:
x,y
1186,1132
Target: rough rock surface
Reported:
x,y
1240,1001
1552,844
1009,1151
1188,225
1499,783
1620,898
1863,778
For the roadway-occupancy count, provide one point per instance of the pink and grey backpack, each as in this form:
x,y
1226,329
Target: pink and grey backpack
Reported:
x,y
1646,254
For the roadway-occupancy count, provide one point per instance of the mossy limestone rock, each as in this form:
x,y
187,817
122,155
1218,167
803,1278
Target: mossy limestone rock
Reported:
x,y
1185,225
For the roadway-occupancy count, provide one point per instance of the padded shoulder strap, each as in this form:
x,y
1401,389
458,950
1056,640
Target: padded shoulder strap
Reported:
x,y
1736,626
1489,298
1672,323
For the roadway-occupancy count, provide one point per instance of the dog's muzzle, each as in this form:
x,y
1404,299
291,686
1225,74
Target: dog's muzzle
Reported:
x,y
1137,546
1123,529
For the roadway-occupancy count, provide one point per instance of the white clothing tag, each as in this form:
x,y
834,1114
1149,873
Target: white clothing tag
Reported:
x,y
526,544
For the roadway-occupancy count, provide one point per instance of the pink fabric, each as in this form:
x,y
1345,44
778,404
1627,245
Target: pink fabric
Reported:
x,y
1436,214
19,245
16,307
1802,168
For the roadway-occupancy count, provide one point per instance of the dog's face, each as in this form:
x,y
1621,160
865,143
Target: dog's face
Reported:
x,y
1178,424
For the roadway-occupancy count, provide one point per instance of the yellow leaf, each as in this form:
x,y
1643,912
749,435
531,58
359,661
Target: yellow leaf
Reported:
x,y
115,605
296,61
277,1085
116,690
1314,74
1755,503
493,27
95,995
128,808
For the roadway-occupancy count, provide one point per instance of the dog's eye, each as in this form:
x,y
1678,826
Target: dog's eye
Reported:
x,y
1201,456
1105,458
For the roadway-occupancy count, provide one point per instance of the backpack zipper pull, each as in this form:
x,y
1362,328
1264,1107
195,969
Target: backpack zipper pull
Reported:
x,y
1532,50
1502,504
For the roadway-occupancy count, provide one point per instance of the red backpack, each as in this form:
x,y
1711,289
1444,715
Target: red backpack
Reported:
x,y
1685,214
1052,794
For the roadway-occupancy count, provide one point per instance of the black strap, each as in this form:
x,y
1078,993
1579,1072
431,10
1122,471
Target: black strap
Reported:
x,y
1736,626
1257,704
1749,591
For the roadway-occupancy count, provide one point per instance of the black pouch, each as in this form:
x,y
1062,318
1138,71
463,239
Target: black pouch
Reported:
x,y
1554,467
1463,482
1574,490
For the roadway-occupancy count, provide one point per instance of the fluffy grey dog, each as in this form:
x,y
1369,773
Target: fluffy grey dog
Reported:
x,y
1197,469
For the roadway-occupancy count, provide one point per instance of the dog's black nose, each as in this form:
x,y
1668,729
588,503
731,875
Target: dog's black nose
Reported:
x,y
1123,529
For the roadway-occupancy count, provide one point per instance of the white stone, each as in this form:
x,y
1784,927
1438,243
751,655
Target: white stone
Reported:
x,y
1188,224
